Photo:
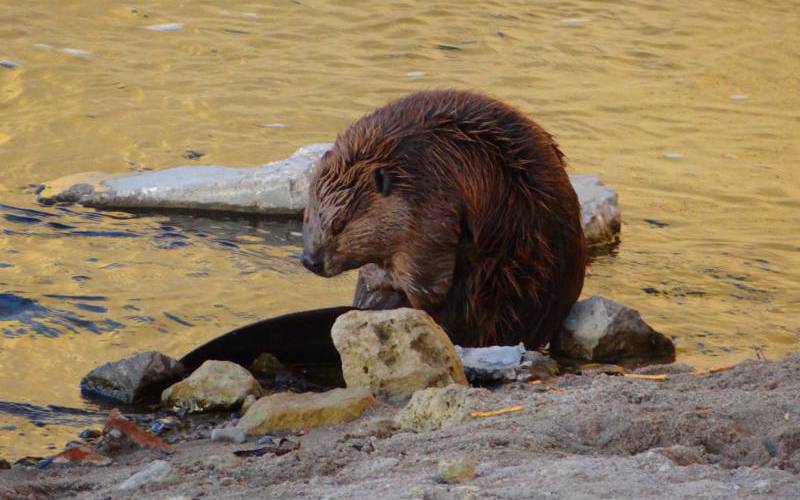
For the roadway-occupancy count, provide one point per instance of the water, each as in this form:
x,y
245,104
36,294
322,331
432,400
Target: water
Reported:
x,y
692,112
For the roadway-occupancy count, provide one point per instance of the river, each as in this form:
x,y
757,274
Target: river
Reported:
x,y
691,111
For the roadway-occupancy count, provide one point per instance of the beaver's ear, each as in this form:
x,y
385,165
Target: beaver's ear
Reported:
x,y
383,181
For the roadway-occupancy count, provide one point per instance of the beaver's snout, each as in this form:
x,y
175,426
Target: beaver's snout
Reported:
x,y
314,262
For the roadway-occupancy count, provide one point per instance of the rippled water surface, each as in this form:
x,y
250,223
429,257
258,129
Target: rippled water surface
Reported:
x,y
690,111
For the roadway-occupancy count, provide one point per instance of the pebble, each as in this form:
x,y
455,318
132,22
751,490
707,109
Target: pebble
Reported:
x,y
5,63
273,125
228,434
415,74
165,27
4,465
155,472
672,156
739,97
456,470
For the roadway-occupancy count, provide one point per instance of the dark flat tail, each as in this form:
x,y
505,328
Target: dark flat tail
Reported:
x,y
297,338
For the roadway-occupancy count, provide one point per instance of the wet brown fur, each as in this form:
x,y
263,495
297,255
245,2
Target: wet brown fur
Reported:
x,y
480,228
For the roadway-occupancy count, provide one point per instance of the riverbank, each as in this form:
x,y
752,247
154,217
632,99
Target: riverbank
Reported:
x,y
732,434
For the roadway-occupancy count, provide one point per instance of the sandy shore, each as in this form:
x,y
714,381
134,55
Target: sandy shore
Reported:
x,y
733,434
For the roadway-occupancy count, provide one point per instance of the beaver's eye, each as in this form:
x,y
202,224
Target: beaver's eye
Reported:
x,y
337,226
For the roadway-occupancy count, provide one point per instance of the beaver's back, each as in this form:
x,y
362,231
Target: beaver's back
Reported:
x,y
521,256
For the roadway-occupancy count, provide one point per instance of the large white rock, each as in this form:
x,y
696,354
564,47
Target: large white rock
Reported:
x,y
277,188
395,353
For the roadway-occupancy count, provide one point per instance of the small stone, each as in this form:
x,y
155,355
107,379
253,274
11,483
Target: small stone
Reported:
x,y
288,411
456,470
415,74
267,365
739,97
672,156
538,365
4,465
155,472
601,330
5,63
396,352
216,385
228,435
438,407
138,378
191,154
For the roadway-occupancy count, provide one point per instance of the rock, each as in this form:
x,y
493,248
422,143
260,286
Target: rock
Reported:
x,y
135,379
395,353
278,188
90,434
5,63
505,363
600,216
155,472
267,365
288,411
456,470
538,365
4,465
229,435
216,385
601,330
438,407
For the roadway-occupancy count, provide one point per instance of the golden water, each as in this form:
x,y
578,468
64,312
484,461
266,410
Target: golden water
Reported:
x,y
691,111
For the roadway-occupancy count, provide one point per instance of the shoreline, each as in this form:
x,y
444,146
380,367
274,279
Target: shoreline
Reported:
x,y
729,434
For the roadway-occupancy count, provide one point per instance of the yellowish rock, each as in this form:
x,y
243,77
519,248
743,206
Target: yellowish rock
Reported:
x,y
289,411
216,385
438,407
395,353
456,470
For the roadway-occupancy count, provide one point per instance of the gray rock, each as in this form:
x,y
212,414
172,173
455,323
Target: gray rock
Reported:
x,y
600,215
155,472
277,188
229,435
135,379
601,330
5,63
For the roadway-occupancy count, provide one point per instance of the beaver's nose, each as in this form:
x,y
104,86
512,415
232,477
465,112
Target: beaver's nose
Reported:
x,y
313,262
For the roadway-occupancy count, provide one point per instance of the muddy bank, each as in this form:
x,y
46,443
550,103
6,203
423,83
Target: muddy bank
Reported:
x,y
733,434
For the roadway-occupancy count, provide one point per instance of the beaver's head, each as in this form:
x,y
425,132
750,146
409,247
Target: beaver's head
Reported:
x,y
356,212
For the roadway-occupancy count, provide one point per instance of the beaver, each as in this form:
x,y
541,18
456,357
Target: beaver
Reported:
x,y
454,203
